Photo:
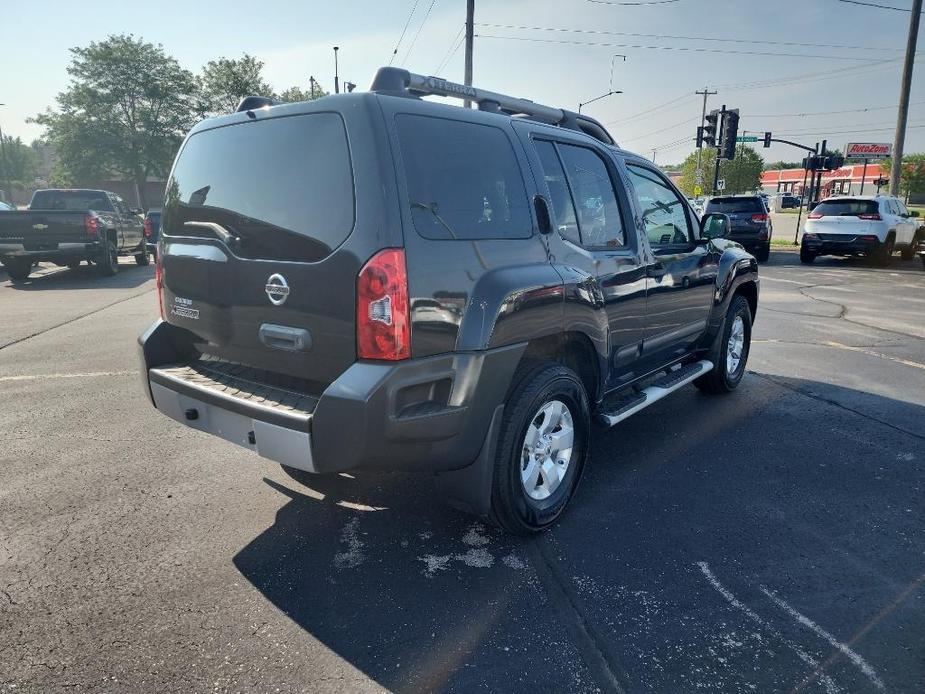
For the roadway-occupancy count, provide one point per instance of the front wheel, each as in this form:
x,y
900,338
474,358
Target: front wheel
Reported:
x,y
142,257
730,351
908,252
542,447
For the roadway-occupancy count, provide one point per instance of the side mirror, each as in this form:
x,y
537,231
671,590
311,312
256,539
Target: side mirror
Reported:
x,y
914,213
543,219
714,225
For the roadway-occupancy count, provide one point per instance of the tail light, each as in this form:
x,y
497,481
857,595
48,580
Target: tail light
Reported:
x,y
383,322
868,237
815,215
873,217
159,283
759,217
147,227
92,225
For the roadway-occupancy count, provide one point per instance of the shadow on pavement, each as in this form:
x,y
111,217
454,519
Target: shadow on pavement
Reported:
x,y
421,598
789,256
84,277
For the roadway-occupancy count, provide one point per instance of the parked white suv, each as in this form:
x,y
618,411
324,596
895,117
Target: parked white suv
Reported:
x,y
860,225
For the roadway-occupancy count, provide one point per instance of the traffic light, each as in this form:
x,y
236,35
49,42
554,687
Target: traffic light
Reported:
x,y
833,161
730,131
767,140
710,130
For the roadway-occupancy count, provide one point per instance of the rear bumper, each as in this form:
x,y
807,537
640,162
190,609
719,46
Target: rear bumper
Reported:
x,y
422,414
52,252
851,245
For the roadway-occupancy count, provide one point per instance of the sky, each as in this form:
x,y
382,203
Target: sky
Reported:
x,y
555,52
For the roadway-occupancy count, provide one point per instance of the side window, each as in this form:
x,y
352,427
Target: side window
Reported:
x,y
464,180
118,205
599,220
901,209
563,208
663,211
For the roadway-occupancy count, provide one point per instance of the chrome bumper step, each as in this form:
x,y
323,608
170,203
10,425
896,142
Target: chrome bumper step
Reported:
x,y
665,385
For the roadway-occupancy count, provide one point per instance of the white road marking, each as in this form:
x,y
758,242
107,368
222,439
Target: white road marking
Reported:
x,y
353,557
765,278
827,681
853,656
861,350
90,374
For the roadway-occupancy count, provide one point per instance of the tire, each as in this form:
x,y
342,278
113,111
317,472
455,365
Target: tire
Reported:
x,y
143,258
806,257
547,398
107,263
727,373
763,254
884,252
18,268
908,252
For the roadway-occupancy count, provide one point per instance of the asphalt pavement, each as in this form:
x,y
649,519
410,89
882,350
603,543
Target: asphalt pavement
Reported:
x,y
769,540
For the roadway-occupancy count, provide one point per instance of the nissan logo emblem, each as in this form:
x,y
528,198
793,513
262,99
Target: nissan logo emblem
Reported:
x,y
277,289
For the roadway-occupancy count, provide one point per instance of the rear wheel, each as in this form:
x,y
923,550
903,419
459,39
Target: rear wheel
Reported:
x,y
107,263
884,253
143,258
729,353
806,256
18,268
763,254
542,447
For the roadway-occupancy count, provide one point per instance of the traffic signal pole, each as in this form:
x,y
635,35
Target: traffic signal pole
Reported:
x,y
719,146
703,119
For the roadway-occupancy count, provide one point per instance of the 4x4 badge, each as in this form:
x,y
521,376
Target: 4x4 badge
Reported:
x,y
277,289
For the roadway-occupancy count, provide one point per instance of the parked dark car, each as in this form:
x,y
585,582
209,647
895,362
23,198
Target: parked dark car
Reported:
x,y
788,202
751,222
66,227
374,306
152,229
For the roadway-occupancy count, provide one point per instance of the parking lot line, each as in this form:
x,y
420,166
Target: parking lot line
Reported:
x,y
44,377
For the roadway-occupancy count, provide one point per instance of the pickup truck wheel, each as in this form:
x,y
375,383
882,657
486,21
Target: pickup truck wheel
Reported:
x,y
730,352
542,448
107,263
806,256
143,258
18,268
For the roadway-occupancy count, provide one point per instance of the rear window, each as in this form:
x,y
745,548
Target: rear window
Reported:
x,y
464,181
283,186
734,205
846,208
72,200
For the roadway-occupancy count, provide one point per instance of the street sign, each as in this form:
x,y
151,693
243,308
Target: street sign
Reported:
x,y
721,184
747,138
868,150
698,176
698,190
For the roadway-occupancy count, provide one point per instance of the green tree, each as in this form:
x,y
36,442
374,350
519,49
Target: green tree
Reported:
x,y
224,82
19,163
298,94
742,174
912,180
125,112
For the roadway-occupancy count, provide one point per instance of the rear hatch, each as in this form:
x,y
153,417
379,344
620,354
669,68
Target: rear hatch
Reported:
x,y
261,241
42,230
748,215
843,219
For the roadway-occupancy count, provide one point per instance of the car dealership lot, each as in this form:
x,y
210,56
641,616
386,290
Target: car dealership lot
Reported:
x,y
770,540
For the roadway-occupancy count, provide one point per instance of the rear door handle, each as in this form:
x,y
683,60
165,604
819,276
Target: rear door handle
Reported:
x,y
285,338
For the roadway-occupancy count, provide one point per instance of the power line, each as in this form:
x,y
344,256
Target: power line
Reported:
x,y
849,132
685,38
451,51
660,130
873,4
418,32
633,4
838,73
828,113
650,110
401,38
688,49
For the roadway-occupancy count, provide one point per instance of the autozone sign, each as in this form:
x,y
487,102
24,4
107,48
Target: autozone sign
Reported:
x,y
868,150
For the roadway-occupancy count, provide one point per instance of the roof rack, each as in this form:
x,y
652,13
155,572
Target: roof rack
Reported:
x,y
396,81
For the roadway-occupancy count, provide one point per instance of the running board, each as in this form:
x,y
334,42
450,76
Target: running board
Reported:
x,y
666,385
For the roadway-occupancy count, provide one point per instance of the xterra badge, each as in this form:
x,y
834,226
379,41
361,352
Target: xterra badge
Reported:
x,y
184,308
277,289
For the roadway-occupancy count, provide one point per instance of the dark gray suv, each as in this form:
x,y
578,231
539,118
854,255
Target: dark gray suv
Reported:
x,y
751,222
374,281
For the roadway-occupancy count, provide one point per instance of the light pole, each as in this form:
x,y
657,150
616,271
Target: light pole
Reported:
x,y
336,78
5,179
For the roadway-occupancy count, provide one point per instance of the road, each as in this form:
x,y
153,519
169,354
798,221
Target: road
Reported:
x,y
770,540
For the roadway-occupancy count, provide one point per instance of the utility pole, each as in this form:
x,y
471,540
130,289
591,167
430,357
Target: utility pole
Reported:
x,y
653,155
336,78
903,115
470,35
719,145
703,117
311,81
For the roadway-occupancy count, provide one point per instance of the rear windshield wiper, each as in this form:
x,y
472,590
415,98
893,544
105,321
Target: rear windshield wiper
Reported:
x,y
432,208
